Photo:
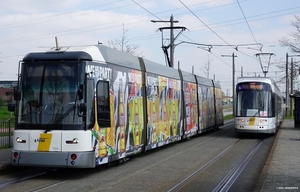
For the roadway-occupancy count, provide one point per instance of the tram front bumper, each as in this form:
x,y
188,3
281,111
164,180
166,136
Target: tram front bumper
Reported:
x,y
54,159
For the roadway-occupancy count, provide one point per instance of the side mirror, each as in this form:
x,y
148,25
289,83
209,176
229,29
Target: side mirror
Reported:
x,y
11,107
81,109
17,93
80,92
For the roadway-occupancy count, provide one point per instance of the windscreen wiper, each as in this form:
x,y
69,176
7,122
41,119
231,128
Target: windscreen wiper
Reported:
x,y
64,115
255,113
261,108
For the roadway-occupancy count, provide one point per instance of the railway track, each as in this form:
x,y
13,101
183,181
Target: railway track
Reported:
x,y
211,162
229,179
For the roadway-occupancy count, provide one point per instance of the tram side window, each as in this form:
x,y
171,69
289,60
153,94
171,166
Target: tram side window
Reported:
x,y
279,104
276,104
90,95
103,108
273,105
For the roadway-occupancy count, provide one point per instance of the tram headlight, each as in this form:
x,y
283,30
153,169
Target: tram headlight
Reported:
x,y
19,140
263,121
74,141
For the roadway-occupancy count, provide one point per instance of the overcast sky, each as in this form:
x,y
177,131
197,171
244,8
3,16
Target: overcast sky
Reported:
x,y
224,24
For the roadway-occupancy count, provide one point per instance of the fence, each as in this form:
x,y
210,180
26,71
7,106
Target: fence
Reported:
x,y
6,133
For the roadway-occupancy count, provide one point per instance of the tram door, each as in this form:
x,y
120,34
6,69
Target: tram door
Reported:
x,y
297,109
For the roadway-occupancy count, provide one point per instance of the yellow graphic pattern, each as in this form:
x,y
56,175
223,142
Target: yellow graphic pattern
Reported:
x,y
111,131
252,121
102,148
44,142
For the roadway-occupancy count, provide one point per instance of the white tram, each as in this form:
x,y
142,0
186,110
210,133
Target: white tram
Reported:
x,y
83,106
258,105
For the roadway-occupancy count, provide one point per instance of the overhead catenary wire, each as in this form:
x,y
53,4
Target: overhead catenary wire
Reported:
x,y
235,47
183,35
160,19
258,44
107,26
71,31
251,31
203,23
247,22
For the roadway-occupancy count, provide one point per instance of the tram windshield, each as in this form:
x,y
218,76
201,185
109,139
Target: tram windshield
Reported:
x,y
48,96
253,99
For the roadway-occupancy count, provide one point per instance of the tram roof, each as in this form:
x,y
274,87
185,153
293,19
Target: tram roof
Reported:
x,y
204,81
188,77
255,79
102,53
155,68
217,84
113,56
99,53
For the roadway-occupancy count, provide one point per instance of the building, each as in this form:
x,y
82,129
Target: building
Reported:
x,y
7,90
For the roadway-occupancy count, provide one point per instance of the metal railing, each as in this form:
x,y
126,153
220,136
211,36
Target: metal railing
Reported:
x,y
6,133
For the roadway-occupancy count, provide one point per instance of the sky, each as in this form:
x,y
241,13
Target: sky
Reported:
x,y
244,28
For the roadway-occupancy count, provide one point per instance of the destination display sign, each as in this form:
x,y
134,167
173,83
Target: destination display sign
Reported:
x,y
251,86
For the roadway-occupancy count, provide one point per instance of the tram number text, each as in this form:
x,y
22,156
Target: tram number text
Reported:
x,y
41,140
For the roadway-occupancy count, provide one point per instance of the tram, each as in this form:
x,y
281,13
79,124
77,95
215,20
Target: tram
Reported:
x,y
258,105
83,106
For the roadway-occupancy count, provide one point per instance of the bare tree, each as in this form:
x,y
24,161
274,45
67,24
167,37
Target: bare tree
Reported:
x,y
206,67
293,44
122,44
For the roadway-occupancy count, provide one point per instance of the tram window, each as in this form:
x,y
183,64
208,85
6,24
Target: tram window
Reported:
x,y
247,103
273,105
103,107
90,94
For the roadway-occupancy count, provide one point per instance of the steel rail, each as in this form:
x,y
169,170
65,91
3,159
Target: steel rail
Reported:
x,y
191,176
234,173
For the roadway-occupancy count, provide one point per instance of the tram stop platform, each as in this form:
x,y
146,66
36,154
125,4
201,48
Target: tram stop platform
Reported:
x,y
281,170
282,167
